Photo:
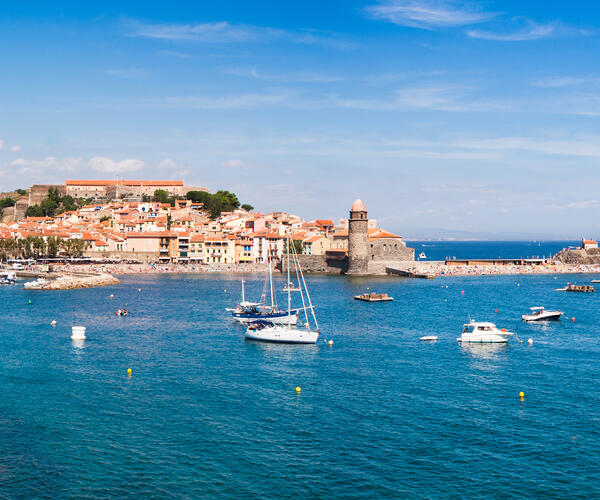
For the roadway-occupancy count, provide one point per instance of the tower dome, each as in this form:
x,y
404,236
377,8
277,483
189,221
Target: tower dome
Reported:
x,y
358,206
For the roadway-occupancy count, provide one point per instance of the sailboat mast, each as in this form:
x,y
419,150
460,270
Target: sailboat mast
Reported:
x,y
270,279
288,281
243,293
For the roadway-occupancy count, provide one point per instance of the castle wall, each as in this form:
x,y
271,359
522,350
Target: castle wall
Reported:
x,y
389,249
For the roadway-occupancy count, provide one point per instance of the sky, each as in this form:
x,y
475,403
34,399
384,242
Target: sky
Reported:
x,y
440,115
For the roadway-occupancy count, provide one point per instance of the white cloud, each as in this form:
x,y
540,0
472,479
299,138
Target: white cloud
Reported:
x,y
530,31
49,162
571,147
108,165
223,32
428,14
167,164
227,102
440,97
558,81
15,148
232,163
218,32
584,204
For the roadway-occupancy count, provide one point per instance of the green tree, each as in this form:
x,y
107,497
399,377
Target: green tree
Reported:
x,y
161,196
247,207
34,211
104,218
21,192
7,202
49,206
52,246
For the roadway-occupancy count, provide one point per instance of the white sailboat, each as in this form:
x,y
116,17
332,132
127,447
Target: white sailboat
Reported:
x,y
288,332
249,312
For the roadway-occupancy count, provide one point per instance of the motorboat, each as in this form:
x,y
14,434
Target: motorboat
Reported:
x,y
288,331
541,314
8,278
483,332
422,255
374,297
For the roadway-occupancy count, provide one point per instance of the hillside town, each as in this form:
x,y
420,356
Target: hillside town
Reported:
x,y
122,221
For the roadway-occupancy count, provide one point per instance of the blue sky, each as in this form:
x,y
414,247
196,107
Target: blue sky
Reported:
x,y
481,116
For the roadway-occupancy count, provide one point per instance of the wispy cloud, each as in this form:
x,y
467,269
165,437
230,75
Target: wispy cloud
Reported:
x,y
239,101
562,81
428,14
584,204
435,97
13,149
174,53
529,31
126,72
232,163
296,77
108,165
224,32
572,147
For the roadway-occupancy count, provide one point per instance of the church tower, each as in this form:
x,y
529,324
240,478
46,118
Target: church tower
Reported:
x,y
358,241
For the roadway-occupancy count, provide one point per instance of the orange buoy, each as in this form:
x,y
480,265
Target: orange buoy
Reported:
x,y
573,320
462,292
496,310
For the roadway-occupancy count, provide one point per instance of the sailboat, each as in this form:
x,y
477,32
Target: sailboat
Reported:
x,y
248,312
287,331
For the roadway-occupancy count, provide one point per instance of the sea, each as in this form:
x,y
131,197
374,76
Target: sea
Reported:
x,y
380,414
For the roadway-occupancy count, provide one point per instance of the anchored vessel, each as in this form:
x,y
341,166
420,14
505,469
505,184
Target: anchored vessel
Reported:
x,y
577,288
288,331
541,314
483,332
374,297
248,312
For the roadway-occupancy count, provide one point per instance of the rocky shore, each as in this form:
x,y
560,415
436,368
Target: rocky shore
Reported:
x,y
72,282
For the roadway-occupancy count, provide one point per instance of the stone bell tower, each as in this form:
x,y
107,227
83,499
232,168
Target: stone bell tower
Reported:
x,y
358,241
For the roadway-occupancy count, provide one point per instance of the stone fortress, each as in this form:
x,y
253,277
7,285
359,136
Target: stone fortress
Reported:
x,y
369,251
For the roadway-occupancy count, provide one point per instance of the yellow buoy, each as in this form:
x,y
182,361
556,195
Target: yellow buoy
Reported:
x,y
129,371
522,395
298,389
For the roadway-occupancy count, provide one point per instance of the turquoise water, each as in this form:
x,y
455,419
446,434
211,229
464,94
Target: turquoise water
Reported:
x,y
442,250
207,414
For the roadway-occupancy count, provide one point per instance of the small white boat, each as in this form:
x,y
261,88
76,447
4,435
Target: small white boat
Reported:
x,y
483,332
541,314
428,338
422,255
8,278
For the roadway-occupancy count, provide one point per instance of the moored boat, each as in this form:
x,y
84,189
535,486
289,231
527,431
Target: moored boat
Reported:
x,y
374,297
483,333
541,314
287,331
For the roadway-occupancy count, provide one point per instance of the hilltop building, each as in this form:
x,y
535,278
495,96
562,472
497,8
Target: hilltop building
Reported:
x,y
110,189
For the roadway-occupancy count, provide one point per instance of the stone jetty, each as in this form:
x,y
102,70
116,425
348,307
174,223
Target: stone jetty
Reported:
x,y
72,282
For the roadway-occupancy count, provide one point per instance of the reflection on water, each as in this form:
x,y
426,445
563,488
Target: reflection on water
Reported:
x,y
78,344
488,351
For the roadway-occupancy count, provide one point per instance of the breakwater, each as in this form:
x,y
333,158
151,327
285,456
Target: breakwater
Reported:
x,y
72,282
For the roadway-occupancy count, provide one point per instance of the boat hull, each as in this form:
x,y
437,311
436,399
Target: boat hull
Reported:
x,y
554,316
283,335
491,338
280,318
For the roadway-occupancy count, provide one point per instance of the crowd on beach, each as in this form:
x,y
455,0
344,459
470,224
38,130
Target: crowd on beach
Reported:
x,y
442,269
